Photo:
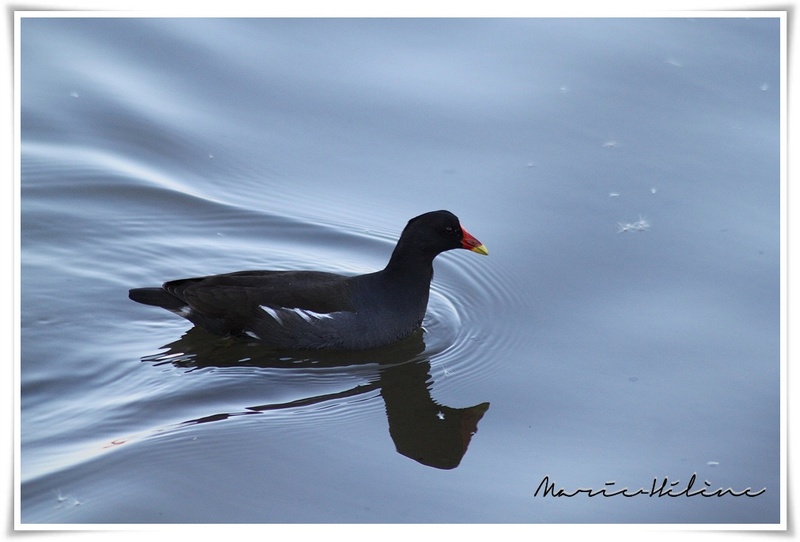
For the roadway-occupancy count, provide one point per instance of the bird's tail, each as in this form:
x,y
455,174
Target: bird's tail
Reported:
x,y
157,297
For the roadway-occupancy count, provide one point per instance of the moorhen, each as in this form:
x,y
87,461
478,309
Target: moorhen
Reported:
x,y
317,310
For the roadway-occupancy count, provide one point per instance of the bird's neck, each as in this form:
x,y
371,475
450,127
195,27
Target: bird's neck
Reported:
x,y
410,266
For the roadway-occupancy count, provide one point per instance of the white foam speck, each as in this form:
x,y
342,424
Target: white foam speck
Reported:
x,y
639,225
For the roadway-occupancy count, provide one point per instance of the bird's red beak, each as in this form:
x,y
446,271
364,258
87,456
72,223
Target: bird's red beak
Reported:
x,y
470,243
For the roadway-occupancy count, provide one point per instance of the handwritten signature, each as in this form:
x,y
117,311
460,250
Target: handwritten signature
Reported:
x,y
662,488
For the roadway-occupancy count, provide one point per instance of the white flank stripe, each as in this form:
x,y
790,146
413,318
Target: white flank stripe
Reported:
x,y
272,312
303,314
307,315
253,335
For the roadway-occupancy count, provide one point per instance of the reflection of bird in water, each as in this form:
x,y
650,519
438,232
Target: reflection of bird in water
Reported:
x,y
429,433
434,435
315,310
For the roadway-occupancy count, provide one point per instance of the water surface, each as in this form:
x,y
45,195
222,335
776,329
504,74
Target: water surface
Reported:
x,y
624,174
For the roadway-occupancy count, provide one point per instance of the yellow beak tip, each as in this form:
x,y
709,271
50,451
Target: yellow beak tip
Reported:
x,y
480,249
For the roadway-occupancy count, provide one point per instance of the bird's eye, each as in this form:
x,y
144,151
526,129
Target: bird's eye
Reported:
x,y
448,230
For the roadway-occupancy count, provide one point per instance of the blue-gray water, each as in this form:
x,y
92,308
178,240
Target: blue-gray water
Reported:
x,y
624,175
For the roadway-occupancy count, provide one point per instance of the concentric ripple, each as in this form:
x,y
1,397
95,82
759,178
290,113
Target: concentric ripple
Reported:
x,y
469,317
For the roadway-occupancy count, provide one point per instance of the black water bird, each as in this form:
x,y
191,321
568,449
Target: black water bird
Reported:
x,y
319,310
